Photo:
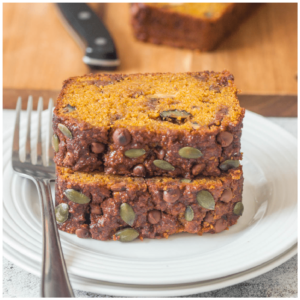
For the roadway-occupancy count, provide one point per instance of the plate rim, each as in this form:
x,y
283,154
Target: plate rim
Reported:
x,y
166,290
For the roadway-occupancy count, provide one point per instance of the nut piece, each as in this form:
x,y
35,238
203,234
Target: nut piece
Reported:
x,y
229,164
225,138
206,200
69,108
127,214
164,165
171,195
62,212
76,197
65,131
197,169
69,160
190,152
55,143
121,137
134,153
189,214
226,196
154,216
82,233
97,148
127,235
238,209
195,125
161,154
139,170
176,116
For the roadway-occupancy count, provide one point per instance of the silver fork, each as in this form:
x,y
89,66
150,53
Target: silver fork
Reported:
x,y
55,280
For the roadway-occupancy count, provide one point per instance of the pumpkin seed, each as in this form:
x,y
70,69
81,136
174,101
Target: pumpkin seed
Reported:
x,y
65,131
206,200
76,197
195,125
164,165
55,143
134,153
69,108
62,212
127,235
127,214
189,213
238,209
178,116
229,164
185,180
190,152
208,14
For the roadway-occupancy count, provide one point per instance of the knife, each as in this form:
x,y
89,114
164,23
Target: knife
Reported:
x,y
100,51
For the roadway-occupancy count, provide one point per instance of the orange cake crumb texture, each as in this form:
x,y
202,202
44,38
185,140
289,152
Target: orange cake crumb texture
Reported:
x,y
200,10
138,99
109,180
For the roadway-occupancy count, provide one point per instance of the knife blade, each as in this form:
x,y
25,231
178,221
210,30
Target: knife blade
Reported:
x,y
100,50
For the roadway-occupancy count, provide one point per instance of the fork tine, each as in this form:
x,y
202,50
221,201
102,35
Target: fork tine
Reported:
x,y
15,153
28,147
50,132
39,148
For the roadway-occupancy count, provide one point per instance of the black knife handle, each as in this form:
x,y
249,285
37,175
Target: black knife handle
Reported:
x,y
100,50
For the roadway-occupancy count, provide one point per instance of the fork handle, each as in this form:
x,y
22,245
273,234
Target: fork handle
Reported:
x,y
55,280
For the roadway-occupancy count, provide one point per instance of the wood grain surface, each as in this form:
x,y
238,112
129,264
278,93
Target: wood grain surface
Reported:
x,y
266,105
39,53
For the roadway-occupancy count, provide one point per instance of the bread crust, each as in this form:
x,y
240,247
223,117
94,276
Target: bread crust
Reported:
x,y
77,153
160,26
101,219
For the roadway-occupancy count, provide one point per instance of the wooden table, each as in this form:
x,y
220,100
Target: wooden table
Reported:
x,y
38,52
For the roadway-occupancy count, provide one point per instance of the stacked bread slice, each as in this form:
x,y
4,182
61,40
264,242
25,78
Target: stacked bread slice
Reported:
x,y
148,155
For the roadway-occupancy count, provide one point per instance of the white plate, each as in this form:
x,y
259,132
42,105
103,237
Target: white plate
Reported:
x,y
118,289
267,229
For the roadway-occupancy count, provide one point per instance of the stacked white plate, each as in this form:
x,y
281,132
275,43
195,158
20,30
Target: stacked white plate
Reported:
x,y
264,237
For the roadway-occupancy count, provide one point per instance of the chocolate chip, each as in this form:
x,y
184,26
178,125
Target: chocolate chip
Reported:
x,y
209,217
220,225
95,209
139,170
226,196
171,195
118,187
197,169
121,137
225,138
154,216
97,148
82,233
